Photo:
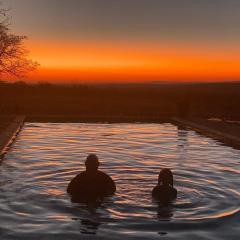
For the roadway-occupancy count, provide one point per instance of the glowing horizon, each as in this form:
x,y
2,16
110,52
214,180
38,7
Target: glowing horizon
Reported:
x,y
78,41
100,62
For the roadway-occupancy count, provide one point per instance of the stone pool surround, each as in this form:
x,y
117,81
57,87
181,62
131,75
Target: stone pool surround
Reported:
x,y
225,132
10,126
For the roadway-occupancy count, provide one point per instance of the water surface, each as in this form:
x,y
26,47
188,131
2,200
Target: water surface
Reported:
x,y
37,169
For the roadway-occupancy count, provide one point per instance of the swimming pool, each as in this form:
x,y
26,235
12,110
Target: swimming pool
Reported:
x,y
35,173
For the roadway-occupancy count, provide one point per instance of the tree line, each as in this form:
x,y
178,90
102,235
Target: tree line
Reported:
x,y
221,100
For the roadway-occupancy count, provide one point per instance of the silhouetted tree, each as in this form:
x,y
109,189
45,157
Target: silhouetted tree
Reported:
x,y
14,58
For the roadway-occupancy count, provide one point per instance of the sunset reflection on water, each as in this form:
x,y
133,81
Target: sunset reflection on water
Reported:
x,y
36,171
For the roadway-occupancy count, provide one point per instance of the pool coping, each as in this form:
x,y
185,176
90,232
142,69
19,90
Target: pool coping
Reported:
x,y
9,134
205,129
96,119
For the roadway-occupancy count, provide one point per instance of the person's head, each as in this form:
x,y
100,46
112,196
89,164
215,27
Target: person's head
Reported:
x,y
92,163
165,177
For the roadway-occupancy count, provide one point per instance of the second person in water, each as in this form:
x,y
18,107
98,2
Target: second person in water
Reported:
x,y
164,191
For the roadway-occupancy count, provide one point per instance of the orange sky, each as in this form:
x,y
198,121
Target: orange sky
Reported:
x,y
102,62
102,41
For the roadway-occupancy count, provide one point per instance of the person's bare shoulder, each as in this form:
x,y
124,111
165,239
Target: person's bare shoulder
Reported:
x,y
104,175
75,181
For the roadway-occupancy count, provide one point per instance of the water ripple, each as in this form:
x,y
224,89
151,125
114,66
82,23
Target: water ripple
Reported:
x,y
36,171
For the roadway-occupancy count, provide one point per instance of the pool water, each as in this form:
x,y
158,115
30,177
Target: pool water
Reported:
x,y
46,156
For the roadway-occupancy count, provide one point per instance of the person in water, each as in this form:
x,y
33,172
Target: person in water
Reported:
x,y
164,191
92,183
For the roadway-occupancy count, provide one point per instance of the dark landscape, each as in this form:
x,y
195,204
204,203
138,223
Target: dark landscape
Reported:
x,y
147,101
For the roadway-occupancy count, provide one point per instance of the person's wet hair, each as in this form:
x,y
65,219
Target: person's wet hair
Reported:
x,y
164,192
165,177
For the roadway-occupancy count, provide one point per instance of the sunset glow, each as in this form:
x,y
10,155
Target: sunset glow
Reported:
x,y
65,62
130,41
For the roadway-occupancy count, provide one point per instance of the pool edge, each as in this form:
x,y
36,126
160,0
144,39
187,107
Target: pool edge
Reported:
x,y
9,134
208,130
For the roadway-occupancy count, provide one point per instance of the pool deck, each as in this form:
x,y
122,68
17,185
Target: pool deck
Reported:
x,y
226,132
9,129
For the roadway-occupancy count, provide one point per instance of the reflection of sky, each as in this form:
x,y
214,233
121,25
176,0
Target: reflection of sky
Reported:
x,y
116,27
46,156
